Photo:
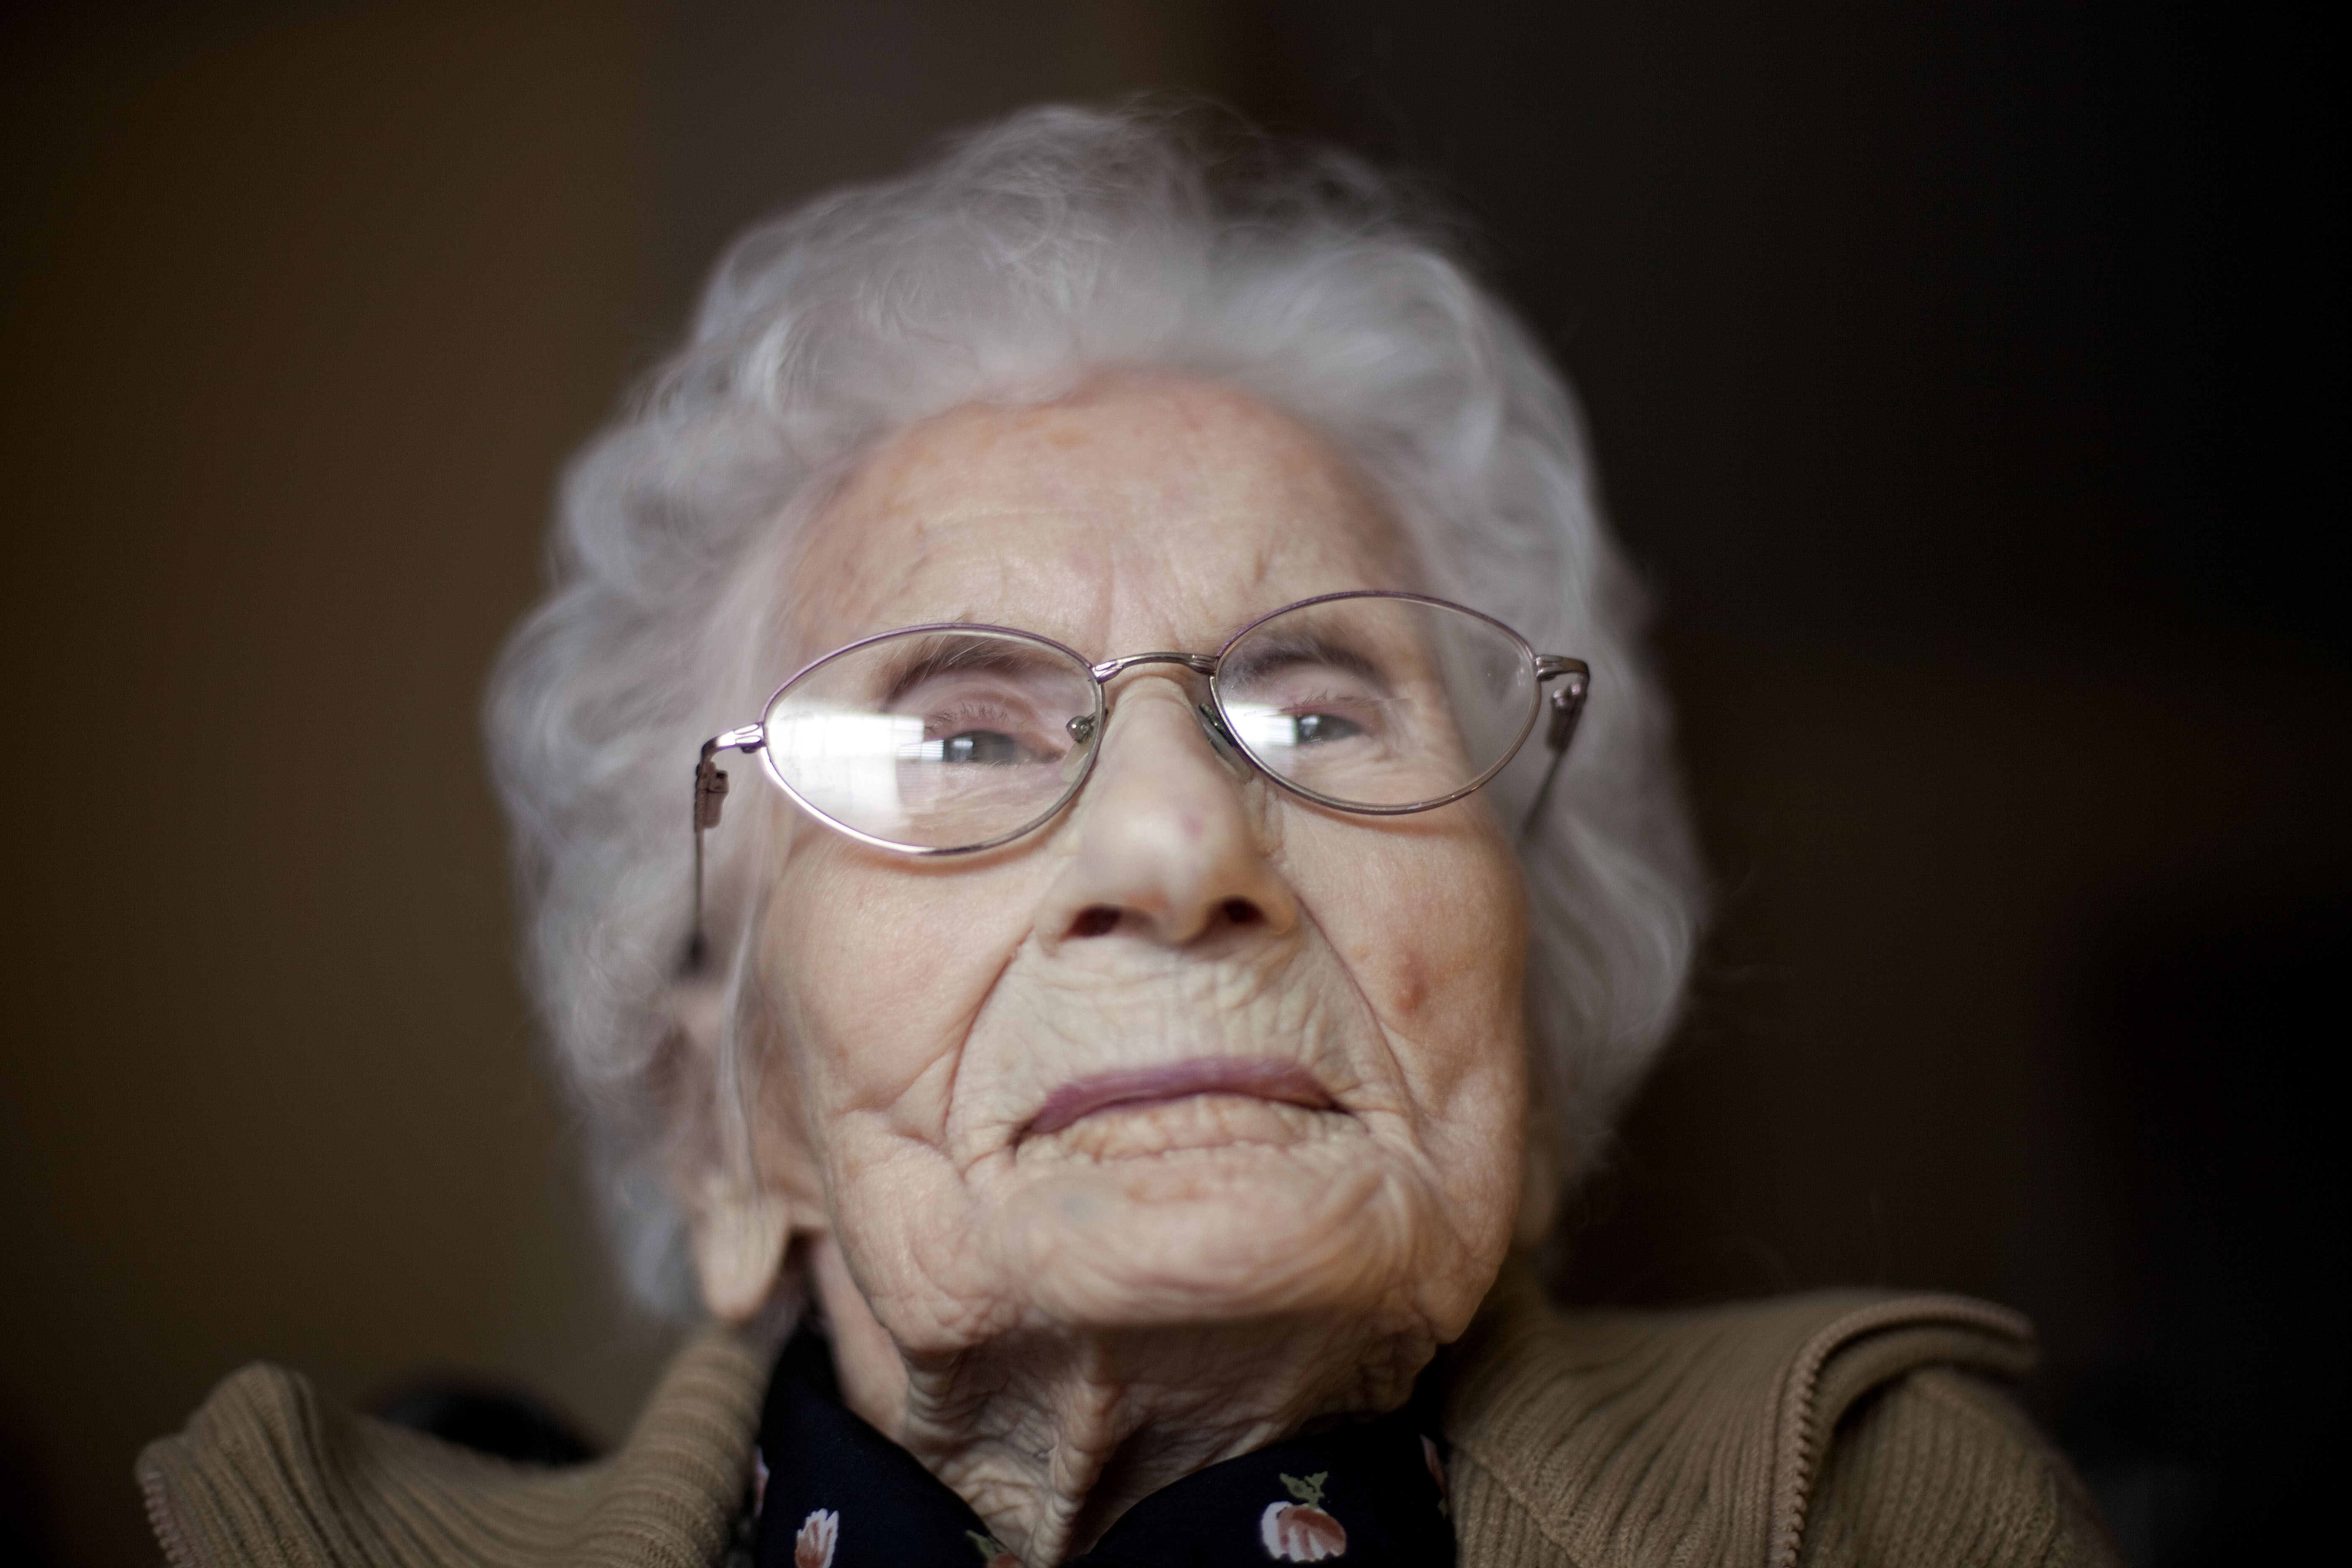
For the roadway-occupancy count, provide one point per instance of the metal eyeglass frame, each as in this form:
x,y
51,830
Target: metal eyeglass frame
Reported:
x,y
1566,705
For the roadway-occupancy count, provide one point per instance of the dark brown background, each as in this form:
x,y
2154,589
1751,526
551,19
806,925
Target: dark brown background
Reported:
x,y
1956,376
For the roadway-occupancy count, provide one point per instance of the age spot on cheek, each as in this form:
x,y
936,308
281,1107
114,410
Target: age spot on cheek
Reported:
x,y
1411,985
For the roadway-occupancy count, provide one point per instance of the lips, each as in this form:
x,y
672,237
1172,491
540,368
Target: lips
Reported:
x,y
1285,1082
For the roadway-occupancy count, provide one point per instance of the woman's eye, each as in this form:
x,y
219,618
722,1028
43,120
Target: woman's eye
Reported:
x,y
1320,729
982,746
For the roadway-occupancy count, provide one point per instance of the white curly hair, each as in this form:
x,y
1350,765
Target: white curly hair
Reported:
x,y
1058,241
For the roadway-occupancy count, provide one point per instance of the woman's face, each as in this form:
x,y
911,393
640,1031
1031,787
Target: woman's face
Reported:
x,y
1197,1051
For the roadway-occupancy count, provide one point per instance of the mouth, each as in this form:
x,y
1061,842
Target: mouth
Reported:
x,y
1129,1088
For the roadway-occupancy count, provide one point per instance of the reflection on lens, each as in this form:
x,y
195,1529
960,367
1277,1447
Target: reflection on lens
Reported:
x,y
934,740
846,762
1259,727
1376,702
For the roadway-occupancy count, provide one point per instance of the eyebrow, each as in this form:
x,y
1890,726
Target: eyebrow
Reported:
x,y
1308,647
949,653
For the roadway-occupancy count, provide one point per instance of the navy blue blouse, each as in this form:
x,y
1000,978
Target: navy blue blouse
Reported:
x,y
830,1491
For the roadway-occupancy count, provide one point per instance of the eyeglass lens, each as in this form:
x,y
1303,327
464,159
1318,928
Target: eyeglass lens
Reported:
x,y
932,739
949,740
1376,703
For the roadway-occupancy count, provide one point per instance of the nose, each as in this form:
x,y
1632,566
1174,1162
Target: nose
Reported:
x,y
1169,849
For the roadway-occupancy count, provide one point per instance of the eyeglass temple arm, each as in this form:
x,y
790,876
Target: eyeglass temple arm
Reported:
x,y
709,799
1567,707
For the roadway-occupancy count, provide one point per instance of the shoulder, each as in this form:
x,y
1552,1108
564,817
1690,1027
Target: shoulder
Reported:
x,y
1801,1429
271,1472
1941,1465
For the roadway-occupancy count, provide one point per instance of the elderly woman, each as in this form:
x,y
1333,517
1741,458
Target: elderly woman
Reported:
x,y
1144,956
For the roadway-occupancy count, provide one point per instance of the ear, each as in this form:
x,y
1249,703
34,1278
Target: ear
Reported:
x,y
741,1232
740,1170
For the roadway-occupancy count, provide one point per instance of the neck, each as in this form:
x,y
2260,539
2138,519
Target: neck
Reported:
x,y
1052,1438
1052,1435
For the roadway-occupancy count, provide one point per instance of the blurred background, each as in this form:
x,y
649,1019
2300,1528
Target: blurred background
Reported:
x,y
1967,379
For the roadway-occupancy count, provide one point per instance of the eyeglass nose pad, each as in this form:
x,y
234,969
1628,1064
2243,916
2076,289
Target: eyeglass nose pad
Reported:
x,y
1082,730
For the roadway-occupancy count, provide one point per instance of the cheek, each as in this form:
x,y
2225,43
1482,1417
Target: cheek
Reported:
x,y
1433,926
880,970
1431,923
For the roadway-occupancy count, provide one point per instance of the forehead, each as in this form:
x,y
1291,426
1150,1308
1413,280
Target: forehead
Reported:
x,y
1148,511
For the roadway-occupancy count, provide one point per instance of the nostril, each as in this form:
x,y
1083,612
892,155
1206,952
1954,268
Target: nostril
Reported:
x,y
1097,920
1242,912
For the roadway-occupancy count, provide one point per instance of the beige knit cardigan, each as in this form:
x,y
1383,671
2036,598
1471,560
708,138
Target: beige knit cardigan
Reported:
x,y
1837,1428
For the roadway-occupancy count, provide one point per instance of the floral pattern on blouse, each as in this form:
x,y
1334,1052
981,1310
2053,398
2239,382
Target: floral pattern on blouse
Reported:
x,y
1301,1531
820,1533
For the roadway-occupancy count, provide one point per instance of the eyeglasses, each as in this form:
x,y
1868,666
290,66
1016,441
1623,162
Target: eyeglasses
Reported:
x,y
951,739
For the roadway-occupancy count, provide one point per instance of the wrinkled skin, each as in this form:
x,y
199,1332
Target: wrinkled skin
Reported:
x,y
1058,1323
